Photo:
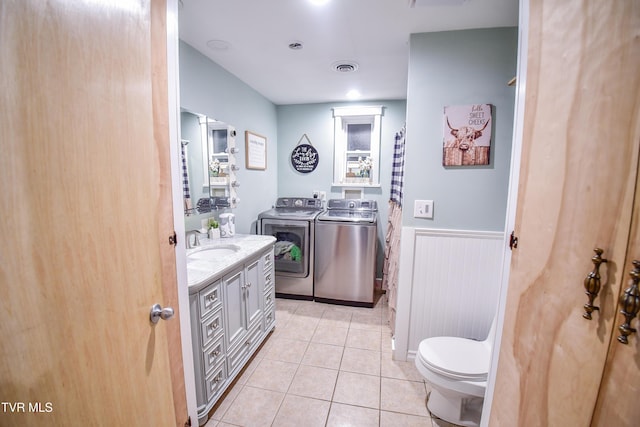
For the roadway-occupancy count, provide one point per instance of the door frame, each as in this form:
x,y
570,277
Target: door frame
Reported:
x,y
173,83
512,199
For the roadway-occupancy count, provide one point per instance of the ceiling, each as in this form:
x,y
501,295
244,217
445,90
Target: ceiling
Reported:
x,y
251,38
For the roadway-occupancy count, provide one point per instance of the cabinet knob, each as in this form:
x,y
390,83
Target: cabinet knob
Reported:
x,y
630,304
592,283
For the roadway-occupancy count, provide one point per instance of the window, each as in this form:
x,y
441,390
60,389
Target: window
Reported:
x,y
356,146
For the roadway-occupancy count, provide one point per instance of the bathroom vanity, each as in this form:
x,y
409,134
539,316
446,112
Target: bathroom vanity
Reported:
x,y
232,305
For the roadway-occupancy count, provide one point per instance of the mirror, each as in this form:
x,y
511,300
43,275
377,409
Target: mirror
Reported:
x,y
208,163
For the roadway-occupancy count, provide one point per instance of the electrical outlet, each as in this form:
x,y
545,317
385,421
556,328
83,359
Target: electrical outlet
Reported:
x,y
423,209
317,194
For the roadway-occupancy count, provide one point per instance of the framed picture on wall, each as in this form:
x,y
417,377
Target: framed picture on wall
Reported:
x,y
255,151
467,135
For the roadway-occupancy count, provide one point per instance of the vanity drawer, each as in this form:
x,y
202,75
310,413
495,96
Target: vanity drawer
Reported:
x,y
214,354
236,359
267,261
212,328
210,299
269,318
269,299
215,381
268,280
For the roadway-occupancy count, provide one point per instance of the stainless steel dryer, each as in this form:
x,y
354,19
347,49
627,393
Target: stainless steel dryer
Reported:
x,y
292,223
346,246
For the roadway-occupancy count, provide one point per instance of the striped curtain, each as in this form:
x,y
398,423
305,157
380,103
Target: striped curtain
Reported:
x,y
185,177
394,225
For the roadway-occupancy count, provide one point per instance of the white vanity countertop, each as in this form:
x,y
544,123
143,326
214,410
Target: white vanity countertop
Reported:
x,y
200,271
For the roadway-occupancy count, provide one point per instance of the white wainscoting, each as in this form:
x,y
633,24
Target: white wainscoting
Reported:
x,y
449,285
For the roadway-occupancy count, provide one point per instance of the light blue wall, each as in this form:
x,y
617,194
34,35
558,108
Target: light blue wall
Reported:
x,y
459,68
207,88
316,121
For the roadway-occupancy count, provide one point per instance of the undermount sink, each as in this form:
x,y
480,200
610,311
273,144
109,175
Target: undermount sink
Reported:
x,y
213,252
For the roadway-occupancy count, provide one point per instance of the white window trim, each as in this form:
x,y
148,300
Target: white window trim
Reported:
x,y
350,115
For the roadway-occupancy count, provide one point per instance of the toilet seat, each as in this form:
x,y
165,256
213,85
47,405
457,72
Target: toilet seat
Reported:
x,y
456,358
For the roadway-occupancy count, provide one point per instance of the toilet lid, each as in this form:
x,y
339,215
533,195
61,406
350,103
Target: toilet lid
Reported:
x,y
458,358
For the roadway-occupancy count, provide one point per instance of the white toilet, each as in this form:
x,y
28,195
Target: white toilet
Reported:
x,y
456,370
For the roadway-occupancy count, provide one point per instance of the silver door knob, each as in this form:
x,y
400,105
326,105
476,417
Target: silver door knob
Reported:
x,y
157,313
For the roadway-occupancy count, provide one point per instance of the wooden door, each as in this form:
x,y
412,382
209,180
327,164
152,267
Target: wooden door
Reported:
x,y
576,193
86,215
617,403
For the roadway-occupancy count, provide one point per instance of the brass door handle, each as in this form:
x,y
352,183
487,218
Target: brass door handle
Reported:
x,y
630,303
592,283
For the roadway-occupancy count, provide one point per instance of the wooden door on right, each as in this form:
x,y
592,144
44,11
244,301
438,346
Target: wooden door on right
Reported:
x,y
577,192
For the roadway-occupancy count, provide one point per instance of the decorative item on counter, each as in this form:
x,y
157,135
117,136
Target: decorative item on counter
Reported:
x,y
214,167
227,225
213,229
304,157
365,166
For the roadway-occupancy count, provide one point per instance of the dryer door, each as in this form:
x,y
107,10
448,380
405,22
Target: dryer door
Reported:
x,y
292,247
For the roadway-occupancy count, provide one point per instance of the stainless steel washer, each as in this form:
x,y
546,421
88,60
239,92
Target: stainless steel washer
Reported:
x,y
292,223
345,255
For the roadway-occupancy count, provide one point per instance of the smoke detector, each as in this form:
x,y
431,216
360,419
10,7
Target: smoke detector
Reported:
x,y
344,66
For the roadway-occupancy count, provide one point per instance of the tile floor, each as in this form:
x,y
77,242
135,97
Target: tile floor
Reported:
x,y
326,365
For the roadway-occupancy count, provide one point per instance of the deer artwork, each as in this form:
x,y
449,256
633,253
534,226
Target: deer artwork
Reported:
x,y
462,150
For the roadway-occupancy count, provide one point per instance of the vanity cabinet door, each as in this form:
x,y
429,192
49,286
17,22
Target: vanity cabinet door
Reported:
x,y
234,308
254,297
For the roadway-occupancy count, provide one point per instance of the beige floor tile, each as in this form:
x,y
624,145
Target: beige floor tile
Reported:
x,y
341,415
225,402
330,335
298,329
323,355
394,419
337,319
371,322
248,370
399,369
254,407
314,382
367,340
297,411
361,361
407,397
310,309
273,375
286,350
357,389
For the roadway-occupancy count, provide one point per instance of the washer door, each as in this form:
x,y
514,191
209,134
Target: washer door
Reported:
x,y
291,250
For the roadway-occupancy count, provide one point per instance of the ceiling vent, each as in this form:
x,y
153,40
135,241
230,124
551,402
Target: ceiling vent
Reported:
x,y
344,66
422,3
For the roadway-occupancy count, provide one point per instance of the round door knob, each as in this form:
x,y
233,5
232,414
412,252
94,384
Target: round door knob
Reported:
x,y
157,313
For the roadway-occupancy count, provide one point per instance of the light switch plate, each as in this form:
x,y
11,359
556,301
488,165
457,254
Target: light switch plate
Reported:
x,y
423,209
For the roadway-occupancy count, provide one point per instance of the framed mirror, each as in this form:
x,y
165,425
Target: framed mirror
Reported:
x,y
208,164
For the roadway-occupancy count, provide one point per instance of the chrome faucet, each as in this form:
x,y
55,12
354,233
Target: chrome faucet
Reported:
x,y
196,240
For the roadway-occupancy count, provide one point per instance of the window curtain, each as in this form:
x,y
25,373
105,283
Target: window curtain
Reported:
x,y
185,177
394,226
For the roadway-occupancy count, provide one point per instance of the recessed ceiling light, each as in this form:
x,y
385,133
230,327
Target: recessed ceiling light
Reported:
x,y
295,45
344,66
319,2
219,45
354,94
